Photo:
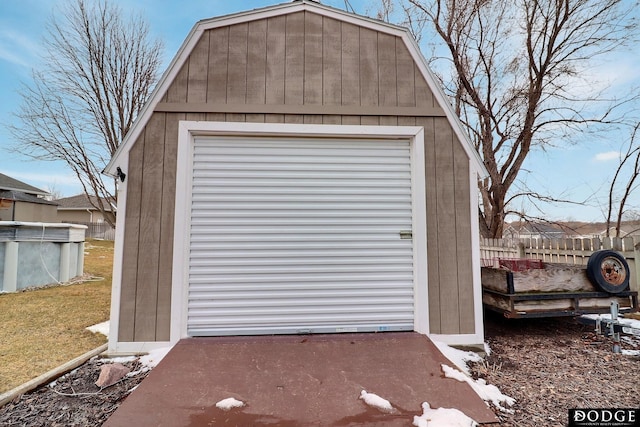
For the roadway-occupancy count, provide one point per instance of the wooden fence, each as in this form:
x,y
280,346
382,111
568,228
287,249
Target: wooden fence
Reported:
x,y
563,251
99,230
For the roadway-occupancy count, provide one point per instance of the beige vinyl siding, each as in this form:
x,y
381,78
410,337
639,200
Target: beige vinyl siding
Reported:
x,y
79,215
30,212
276,68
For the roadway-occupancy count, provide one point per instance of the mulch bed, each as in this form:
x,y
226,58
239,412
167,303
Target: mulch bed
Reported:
x,y
547,365
552,365
73,400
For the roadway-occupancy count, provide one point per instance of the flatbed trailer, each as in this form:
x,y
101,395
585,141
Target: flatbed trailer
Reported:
x,y
519,289
556,304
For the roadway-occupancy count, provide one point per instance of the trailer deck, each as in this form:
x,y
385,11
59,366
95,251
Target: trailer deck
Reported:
x,y
556,304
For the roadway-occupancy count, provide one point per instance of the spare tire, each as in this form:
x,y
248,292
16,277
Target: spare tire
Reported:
x,y
608,271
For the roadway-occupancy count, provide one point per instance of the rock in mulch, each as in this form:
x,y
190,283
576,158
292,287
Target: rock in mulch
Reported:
x,y
111,374
73,400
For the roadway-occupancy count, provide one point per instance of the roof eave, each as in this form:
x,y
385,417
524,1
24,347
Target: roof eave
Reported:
x,y
26,191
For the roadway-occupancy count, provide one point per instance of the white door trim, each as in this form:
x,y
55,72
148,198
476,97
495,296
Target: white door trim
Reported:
x,y
188,130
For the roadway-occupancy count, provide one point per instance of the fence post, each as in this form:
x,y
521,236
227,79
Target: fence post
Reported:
x,y
521,253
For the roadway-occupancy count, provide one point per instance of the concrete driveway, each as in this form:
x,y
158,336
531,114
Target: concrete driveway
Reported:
x,y
309,380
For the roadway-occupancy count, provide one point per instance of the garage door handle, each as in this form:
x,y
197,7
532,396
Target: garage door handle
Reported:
x,y
406,234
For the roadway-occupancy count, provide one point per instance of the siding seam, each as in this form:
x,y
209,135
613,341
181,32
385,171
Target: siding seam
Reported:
x,y
135,298
164,158
206,93
246,65
226,92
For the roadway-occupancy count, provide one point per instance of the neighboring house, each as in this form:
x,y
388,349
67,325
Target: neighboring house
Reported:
x,y
627,229
23,202
81,209
297,169
533,230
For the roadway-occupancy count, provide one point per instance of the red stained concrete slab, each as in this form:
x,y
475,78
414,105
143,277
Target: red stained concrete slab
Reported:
x,y
309,380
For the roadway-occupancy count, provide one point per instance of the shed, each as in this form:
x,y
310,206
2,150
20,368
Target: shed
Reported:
x,y
296,170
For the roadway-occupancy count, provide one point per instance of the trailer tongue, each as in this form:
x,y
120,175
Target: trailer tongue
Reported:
x,y
612,326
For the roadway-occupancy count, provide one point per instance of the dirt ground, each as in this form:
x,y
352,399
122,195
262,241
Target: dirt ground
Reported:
x,y
547,365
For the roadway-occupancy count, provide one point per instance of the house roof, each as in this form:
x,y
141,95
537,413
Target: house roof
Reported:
x,y
536,228
19,196
81,202
281,9
631,228
11,184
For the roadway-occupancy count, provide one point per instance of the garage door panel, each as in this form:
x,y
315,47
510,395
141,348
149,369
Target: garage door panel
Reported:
x,y
317,304
231,244
247,323
312,238
300,235
308,278
221,296
270,252
294,260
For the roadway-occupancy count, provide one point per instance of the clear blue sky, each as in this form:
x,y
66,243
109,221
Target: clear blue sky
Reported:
x,y
576,172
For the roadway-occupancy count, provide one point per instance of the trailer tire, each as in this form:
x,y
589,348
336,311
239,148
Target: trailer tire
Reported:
x,y
608,271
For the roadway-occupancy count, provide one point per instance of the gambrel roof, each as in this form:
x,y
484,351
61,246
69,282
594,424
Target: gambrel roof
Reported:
x,y
282,9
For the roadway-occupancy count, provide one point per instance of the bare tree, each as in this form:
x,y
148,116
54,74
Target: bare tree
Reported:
x,y
54,192
98,72
518,80
631,157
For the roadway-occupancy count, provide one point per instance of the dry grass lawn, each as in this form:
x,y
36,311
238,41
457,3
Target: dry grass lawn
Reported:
x,y
42,329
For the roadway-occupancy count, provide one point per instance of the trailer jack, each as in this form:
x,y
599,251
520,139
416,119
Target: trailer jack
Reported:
x,y
612,327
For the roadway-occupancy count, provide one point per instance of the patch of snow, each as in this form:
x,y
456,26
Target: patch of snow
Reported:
x,y
142,370
442,417
229,403
376,401
121,359
100,328
487,392
634,323
459,357
487,349
132,389
154,357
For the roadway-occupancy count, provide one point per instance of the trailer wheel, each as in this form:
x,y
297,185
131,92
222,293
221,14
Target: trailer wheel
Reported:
x,y
608,271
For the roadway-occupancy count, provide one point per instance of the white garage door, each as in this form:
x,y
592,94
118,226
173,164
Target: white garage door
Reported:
x,y
300,236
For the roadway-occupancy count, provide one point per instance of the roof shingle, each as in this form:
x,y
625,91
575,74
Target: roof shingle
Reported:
x,y
12,184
